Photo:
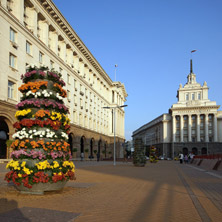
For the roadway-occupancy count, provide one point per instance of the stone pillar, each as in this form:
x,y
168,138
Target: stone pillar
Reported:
x,y
63,50
215,127
189,128
181,128
206,128
198,128
174,129
81,68
4,3
19,10
53,35
44,31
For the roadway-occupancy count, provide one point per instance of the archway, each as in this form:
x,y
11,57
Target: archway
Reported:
x,y
82,140
204,150
105,149
185,151
70,141
91,148
4,130
99,147
194,151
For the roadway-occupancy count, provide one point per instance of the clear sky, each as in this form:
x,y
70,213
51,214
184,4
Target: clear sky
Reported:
x,y
151,40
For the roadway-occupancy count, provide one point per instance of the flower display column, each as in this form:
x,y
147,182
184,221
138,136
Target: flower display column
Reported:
x,y
139,158
41,154
153,155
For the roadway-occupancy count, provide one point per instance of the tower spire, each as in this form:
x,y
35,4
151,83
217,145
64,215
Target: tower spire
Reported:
x,y
191,66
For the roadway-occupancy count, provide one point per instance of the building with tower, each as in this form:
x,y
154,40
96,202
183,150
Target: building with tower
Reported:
x,y
193,124
35,32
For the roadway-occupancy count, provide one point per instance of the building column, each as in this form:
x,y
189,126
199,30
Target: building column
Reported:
x,y
189,128
181,128
174,128
215,127
206,128
198,128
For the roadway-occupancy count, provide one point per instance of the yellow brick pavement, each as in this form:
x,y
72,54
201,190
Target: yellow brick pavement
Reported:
x,y
124,193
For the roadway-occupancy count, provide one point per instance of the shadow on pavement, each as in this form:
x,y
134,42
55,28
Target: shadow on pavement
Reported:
x,y
9,211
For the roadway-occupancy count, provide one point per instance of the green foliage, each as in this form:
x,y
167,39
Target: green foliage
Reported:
x,y
9,142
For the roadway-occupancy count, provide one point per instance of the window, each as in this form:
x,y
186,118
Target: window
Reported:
x,y
12,35
68,78
40,57
12,60
68,95
187,96
11,89
51,64
199,96
113,98
193,96
28,48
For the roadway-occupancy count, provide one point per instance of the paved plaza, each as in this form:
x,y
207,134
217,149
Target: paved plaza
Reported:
x,y
166,191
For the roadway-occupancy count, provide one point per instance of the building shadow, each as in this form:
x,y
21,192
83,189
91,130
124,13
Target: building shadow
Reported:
x,y
9,211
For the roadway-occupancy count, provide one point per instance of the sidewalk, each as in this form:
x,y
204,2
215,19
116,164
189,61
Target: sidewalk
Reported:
x,y
166,191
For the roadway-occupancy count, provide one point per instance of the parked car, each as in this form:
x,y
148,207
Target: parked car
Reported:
x,y
161,157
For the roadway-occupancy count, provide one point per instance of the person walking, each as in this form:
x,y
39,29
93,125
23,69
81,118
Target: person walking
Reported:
x,y
186,159
181,158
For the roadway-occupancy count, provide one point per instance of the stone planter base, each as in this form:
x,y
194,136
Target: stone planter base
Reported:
x,y
40,188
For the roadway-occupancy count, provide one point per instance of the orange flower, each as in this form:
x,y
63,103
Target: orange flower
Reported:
x,y
42,113
33,86
62,92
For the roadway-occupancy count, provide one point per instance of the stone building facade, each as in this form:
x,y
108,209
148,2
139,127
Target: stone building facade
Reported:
x,y
35,32
193,124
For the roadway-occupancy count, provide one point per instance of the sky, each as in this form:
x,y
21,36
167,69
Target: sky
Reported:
x,y
151,41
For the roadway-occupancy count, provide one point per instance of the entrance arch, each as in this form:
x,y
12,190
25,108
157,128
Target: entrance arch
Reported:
x,y
91,148
204,150
185,151
4,130
99,147
82,142
70,141
194,151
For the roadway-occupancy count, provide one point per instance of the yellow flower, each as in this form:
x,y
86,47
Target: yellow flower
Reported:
x,y
26,170
19,175
23,112
23,164
43,165
56,164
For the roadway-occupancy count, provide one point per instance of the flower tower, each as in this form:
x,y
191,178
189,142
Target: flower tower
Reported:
x,y
153,155
139,158
41,155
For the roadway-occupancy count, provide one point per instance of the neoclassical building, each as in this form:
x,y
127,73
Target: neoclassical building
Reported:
x,y
35,32
193,124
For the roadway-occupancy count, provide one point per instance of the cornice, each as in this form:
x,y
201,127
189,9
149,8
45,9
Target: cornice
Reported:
x,y
46,48
57,16
196,108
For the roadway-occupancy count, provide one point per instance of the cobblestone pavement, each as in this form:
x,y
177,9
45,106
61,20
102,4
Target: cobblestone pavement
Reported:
x,y
166,191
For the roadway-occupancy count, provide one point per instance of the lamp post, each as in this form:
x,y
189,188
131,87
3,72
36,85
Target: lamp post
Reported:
x,y
114,129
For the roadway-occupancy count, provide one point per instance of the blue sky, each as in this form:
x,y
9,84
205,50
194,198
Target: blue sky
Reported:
x,y
151,40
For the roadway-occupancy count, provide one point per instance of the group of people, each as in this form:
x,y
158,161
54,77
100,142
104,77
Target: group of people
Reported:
x,y
186,158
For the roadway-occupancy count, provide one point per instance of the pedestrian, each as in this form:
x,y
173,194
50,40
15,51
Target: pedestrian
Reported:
x,y
82,156
181,158
186,159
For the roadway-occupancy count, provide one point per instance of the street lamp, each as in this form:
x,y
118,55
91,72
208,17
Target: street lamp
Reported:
x,y
114,128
